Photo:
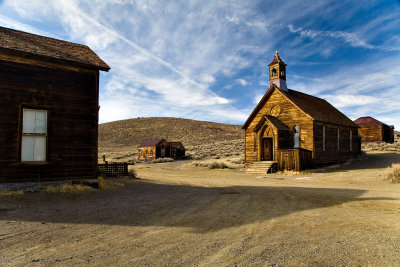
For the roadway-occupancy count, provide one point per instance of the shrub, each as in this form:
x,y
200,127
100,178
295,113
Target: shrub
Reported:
x,y
211,165
161,160
217,165
101,182
394,177
132,173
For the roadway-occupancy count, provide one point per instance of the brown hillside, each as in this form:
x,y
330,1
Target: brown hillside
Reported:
x,y
124,136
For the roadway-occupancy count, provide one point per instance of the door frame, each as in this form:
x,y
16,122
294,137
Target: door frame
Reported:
x,y
270,140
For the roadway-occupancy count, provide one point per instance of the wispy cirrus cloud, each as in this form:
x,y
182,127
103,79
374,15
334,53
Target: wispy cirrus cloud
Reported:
x,y
172,58
351,38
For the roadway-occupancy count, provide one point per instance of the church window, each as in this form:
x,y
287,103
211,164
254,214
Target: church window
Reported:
x,y
338,139
273,73
296,136
323,138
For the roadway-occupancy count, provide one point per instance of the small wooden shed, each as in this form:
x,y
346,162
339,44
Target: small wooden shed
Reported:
x,y
372,130
293,130
48,108
152,149
160,148
177,150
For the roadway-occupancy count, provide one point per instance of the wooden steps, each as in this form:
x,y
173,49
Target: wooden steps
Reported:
x,y
261,167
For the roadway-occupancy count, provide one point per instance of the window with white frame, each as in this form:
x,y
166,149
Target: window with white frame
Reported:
x,y
34,135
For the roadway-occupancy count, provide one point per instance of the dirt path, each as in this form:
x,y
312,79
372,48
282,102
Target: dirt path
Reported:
x,y
194,216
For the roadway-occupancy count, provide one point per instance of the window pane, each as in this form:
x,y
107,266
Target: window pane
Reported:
x,y
40,121
28,121
27,148
39,150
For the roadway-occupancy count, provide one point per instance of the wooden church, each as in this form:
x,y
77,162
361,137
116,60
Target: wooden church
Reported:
x,y
290,130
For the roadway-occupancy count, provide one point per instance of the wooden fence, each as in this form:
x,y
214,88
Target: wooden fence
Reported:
x,y
114,169
293,159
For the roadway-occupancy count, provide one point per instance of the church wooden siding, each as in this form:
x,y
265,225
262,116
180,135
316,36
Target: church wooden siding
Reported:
x,y
61,79
294,159
290,115
333,152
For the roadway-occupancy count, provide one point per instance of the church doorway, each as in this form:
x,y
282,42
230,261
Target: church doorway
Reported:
x,y
267,149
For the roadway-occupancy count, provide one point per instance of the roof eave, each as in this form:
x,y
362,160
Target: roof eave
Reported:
x,y
23,54
259,105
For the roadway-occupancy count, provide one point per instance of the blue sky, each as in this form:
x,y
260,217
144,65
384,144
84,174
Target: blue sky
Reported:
x,y
207,60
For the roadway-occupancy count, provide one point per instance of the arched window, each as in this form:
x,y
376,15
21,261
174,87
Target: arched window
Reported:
x,y
273,73
296,137
151,152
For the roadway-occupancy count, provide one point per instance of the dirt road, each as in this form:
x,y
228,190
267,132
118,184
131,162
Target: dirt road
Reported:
x,y
182,215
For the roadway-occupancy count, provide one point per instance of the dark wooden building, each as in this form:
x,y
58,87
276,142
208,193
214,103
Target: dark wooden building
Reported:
x,y
49,108
177,150
160,148
294,130
373,130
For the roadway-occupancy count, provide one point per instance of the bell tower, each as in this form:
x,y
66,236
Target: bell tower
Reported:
x,y
277,73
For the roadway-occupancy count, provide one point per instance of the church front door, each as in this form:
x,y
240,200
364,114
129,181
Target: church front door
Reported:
x,y
267,149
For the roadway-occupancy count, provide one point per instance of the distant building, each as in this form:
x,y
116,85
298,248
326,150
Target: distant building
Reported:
x,y
48,108
295,130
374,130
177,150
160,148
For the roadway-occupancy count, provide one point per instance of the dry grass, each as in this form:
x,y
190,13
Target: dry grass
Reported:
x,y
382,146
216,150
162,160
11,193
68,189
394,175
211,165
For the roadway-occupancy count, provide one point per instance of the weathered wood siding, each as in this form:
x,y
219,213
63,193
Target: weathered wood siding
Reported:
x,y
371,133
334,152
293,159
146,151
289,115
71,99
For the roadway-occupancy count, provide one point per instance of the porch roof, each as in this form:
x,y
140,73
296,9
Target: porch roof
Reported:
x,y
276,123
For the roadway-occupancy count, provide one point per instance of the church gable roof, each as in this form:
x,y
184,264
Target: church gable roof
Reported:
x,y
318,109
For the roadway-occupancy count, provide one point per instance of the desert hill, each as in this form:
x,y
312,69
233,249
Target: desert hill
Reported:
x,y
119,139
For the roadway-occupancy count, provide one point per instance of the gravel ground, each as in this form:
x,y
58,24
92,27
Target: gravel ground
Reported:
x,y
184,215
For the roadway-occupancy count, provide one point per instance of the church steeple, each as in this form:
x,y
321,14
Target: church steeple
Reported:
x,y
277,73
